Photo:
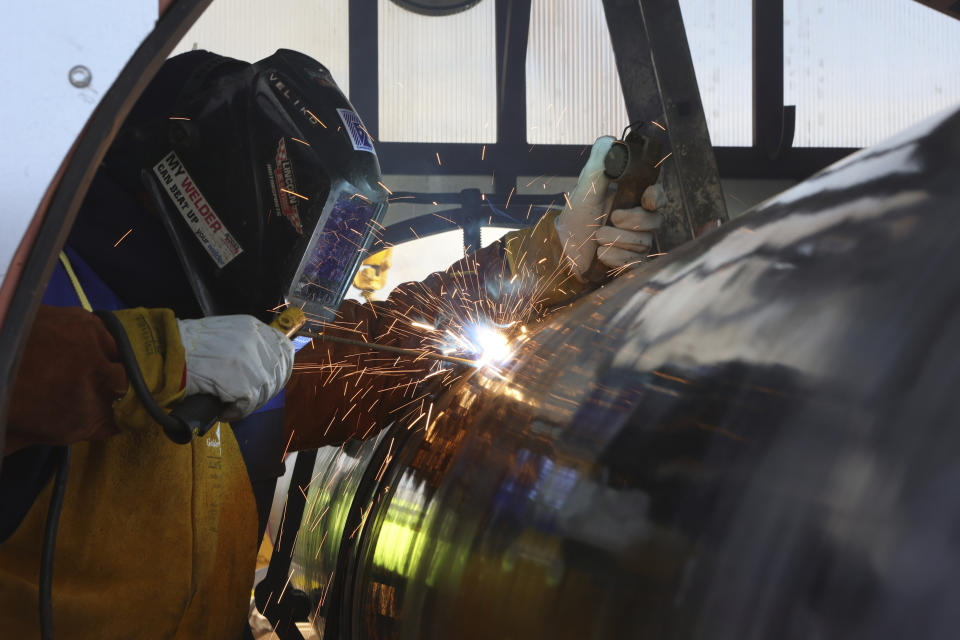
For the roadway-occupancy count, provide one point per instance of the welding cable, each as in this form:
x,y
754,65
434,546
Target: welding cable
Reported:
x,y
175,429
50,545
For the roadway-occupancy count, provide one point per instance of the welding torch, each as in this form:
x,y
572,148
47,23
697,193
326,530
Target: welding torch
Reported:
x,y
196,414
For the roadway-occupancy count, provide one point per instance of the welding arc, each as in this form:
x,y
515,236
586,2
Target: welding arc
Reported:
x,y
385,347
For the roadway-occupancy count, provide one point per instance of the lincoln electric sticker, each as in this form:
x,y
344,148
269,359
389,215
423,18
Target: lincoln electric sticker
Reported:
x,y
358,135
283,177
195,209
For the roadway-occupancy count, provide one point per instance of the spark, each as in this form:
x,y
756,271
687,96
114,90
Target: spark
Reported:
x,y
117,243
385,188
662,159
322,540
178,118
439,164
483,152
284,590
294,193
287,448
319,120
304,142
660,374
655,123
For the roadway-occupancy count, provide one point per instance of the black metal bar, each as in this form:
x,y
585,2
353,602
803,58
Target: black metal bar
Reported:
x,y
293,607
467,220
498,200
800,163
465,159
413,158
773,123
513,30
364,66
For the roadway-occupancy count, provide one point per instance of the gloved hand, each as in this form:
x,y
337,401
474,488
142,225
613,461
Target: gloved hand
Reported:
x,y
238,359
582,228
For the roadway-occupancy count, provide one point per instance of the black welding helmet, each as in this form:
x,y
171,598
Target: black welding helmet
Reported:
x,y
268,184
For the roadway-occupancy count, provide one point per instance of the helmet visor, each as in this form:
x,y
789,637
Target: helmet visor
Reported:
x,y
339,243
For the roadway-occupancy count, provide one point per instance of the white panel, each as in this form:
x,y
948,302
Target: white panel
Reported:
x,y
253,29
47,99
437,75
573,91
719,36
489,235
861,70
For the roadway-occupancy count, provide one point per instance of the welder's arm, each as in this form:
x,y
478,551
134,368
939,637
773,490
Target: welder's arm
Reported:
x,y
72,385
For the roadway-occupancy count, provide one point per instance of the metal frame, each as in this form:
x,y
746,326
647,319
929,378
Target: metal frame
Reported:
x,y
417,158
511,156
771,156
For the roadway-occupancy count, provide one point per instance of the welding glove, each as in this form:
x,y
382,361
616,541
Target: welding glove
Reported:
x,y
582,226
238,359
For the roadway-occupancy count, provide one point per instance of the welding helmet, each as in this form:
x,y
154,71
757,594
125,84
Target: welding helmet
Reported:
x,y
267,183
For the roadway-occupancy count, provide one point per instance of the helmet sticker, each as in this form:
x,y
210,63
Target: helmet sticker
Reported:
x,y
196,211
286,187
358,134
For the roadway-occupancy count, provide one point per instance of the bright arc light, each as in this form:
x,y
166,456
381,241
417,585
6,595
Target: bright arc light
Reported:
x,y
493,346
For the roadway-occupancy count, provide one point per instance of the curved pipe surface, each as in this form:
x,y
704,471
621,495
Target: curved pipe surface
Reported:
x,y
753,437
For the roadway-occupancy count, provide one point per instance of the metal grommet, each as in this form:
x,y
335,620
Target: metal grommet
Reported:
x,y
80,76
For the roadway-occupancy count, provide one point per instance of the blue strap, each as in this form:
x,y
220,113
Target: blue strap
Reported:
x,y
60,291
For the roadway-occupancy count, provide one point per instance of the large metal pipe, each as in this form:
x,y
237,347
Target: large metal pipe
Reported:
x,y
757,436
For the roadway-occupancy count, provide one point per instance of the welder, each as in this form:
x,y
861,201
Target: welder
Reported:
x,y
232,188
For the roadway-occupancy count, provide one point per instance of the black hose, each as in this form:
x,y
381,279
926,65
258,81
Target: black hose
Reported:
x,y
50,545
176,430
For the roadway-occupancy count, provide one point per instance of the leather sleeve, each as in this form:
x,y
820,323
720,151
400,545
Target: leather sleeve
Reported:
x,y
71,385
69,378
